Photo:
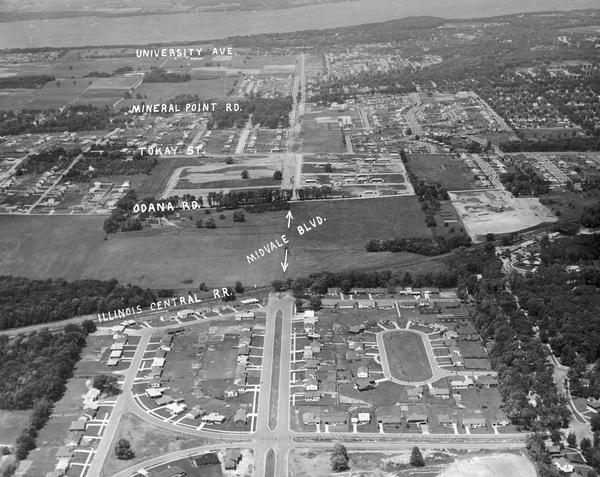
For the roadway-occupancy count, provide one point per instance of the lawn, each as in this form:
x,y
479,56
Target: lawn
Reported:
x,y
452,174
406,356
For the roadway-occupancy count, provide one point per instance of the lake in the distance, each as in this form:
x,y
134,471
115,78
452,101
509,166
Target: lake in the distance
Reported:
x,y
143,30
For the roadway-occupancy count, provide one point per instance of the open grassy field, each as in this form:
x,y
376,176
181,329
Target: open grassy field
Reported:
x,y
407,356
452,174
74,247
353,222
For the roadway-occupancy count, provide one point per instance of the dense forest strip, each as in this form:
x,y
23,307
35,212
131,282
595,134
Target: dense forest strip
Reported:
x,y
26,302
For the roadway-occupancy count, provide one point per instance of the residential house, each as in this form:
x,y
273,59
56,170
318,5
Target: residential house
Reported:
x,y
334,418
356,329
593,405
154,393
416,418
330,302
389,416
240,416
385,304
362,372
500,419
311,384
231,392
563,465
362,384
79,425
441,392
312,396
232,458
366,303
446,420
487,381
414,393
461,382
195,413
311,419
164,400
473,419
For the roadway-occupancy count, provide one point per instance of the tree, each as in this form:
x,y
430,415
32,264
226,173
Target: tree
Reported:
x,y
107,383
238,216
88,326
229,160
416,458
277,175
123,450
210,223
315,302
572,439
198,223
339,458
245,174
111,225
25,443
328,167
239,288
595,422
277,285
556,436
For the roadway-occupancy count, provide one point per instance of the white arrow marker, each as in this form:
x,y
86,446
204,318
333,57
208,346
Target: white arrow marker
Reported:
x,y
285,263
289,217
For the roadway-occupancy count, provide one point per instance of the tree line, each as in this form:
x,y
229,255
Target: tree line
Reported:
x,y
26,302
421,245
25,82
35,369
319,283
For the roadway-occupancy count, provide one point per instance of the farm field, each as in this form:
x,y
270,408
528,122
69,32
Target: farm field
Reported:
x,y
351,223
74,247
406,355
205,89
452,174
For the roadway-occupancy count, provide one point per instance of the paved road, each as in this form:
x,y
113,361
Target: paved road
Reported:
x,y
118,410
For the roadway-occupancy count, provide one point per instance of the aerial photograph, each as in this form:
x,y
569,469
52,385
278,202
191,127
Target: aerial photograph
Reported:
x,y
299,238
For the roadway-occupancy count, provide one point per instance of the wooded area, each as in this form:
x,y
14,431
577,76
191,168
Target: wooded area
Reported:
x,y
26,302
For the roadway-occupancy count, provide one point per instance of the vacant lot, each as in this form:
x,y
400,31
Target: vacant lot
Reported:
x,y
353,222
452,174
146,441
406,356
74,247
